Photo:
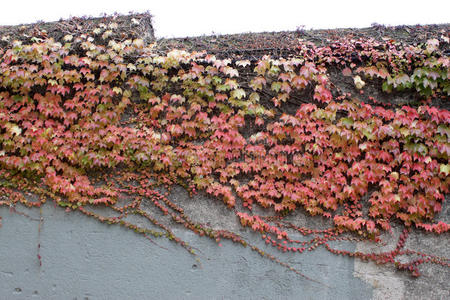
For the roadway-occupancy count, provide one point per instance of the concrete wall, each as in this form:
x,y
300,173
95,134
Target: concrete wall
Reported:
x,y
85,259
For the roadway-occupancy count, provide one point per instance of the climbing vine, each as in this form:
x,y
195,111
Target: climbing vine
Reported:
x,y
94,120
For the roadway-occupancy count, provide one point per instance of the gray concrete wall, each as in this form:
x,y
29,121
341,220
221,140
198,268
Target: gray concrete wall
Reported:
x,y
85,259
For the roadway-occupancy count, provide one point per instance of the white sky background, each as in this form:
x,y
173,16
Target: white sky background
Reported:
x,y
199,17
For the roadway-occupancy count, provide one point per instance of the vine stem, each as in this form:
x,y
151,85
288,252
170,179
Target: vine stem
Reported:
x,y
41,221
153,242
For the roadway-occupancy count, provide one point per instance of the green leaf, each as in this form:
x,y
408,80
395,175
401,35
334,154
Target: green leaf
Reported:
x,y
444,130
276,86
238,93
386,87
347,122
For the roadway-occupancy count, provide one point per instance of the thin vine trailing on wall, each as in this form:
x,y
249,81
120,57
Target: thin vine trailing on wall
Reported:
x,y
96,121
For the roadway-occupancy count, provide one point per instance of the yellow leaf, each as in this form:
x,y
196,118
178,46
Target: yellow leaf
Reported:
x,y
444,169
138,43
254,97
68,37
107,34
13,128
243,63
358,82
117,90
404,131
395,175
127,93
113,25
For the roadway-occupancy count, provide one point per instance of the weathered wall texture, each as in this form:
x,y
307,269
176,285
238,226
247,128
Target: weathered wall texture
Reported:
x,y
86,259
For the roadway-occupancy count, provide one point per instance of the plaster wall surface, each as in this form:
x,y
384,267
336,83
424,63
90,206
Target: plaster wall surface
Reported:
x,y
85,259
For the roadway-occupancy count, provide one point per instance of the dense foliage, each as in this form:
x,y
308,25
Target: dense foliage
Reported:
x,y
95,121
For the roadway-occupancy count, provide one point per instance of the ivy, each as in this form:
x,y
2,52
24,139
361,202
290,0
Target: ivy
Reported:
x,y
146,121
